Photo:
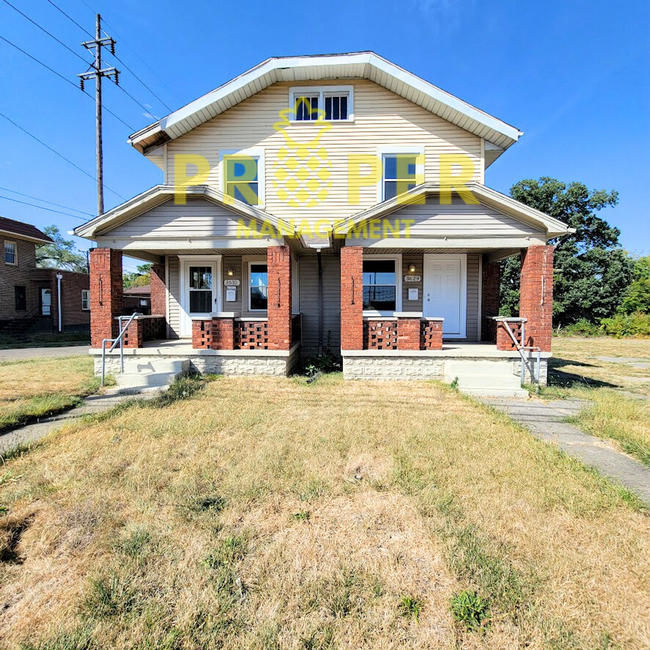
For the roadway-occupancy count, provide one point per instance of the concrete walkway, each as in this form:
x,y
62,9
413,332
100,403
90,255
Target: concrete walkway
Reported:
x,y
17,354
90,406
546,421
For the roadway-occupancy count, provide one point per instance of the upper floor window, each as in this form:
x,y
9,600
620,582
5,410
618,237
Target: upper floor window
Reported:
x,y
11,252
329,103
241,173
401,173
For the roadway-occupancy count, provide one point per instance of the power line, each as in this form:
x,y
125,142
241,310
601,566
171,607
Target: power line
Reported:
x,y
48,33
144,108
115,55
83,171
125,44
83,29
58,205
47,67
40,207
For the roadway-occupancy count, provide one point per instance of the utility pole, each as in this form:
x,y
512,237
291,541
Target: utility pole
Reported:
x,y
97,73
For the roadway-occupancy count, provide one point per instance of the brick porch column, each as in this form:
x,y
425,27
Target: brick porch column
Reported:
x,y
409,332
536,299
105,294
279,297
158,290
490,299
352,298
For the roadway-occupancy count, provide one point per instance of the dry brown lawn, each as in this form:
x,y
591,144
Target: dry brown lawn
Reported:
x,y
267,513
36,387
614,375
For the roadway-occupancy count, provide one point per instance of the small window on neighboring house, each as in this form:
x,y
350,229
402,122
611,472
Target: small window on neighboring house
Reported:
x,y
258,287
400,174
329,103
11,253
241,174
379,285
85,299
20,298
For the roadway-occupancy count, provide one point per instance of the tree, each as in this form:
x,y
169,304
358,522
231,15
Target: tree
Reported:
x,y
591,270
61,253
141,277
637,295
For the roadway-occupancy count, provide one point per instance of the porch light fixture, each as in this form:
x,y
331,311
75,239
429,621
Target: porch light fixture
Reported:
x,y
411,268
230,271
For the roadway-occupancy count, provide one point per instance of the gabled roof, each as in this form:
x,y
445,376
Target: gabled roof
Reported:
x,y
298,69
160,194
23,231
144,290
485,195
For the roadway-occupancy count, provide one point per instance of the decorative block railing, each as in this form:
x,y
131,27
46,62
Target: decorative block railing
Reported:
x,y
380,334
405,331
144,328
503,338
252,335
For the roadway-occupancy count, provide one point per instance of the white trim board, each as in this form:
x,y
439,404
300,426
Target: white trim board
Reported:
x,y
184,262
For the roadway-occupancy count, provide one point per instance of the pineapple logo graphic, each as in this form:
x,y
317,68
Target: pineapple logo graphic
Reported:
x,y
302,174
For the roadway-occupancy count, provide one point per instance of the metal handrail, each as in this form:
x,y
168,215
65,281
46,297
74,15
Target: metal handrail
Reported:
x,y
521,348
115,341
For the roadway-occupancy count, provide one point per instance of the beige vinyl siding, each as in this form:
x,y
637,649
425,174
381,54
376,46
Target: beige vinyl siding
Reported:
x,y
234,261
331,302
407,260
382,119
197,218
472,296
174,296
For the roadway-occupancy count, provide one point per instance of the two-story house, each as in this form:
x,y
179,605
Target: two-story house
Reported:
x,y
329,201
37,299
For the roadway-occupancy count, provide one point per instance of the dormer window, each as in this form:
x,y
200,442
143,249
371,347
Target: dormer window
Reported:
x,y
325,103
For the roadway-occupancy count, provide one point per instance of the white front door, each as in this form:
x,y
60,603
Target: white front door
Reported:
x,y
200,284
445,292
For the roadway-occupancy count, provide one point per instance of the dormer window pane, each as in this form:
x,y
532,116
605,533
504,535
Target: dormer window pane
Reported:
x,y
336,107
307,108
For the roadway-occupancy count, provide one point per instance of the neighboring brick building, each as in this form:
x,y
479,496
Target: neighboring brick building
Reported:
x,y
29,296
138,299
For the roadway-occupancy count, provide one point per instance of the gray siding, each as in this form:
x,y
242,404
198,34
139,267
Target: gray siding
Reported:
x,y
174,293
472,296
331,302
198,218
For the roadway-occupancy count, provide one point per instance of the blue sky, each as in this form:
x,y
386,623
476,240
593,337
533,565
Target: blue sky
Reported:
x,y
573,75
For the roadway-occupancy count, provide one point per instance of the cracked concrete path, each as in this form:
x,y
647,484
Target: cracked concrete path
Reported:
x,y
90,406
546,420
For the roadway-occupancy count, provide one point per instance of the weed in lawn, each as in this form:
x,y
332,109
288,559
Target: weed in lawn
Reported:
x,y
470,609
136,543
111,595
303,515
410,607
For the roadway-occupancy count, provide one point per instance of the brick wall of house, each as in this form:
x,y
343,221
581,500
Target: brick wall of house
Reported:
x,y
352,298
105,294
279,297
12,276
536,297
490,299
72,284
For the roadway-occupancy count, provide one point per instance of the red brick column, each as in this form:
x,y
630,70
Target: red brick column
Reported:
x,y
223,333
490,299
279,297
201,334
352,298
536,298
431,334
504,340
105,294
158,290
408,333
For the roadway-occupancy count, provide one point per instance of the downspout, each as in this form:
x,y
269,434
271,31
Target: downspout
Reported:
x,y
320,303
59,277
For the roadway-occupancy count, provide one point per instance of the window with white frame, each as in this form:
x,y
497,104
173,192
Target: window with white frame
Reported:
x,y
241,173
85,299
381,285
11,252
258,283
329,103
401,173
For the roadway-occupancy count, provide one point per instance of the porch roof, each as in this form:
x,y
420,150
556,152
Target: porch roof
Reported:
x,y
486,195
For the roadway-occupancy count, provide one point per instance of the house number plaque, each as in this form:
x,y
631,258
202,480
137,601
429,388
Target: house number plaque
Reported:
x,y
231,283
412,278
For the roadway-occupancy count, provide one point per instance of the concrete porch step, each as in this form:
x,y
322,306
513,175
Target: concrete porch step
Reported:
x,y
485,378
150,373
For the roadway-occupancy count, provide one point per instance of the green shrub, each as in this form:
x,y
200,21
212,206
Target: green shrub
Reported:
x,y
619,325
582,328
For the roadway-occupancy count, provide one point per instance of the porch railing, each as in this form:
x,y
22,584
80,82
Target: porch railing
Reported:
x,y
404,331
518,338
117,341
